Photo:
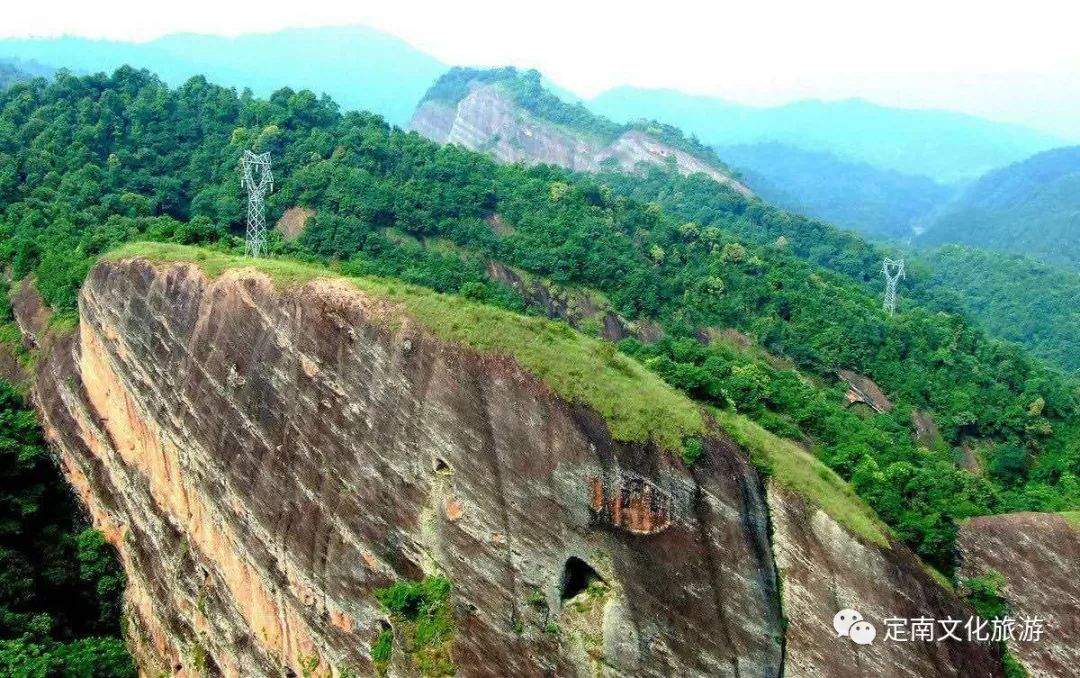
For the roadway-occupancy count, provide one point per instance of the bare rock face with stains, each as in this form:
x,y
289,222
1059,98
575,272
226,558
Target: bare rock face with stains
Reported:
x,y
487,119
264,459
824,569
1038,555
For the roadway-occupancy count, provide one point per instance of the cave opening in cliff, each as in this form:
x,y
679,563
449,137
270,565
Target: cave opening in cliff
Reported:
x,y
577,577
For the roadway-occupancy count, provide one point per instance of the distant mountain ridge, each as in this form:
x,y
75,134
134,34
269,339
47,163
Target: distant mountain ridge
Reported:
x,y
16,70
512,116
943,145
360,68
856,195
1031,207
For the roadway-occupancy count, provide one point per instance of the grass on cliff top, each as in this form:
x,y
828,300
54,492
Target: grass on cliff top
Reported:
x,y
794,468
1072,517
636,404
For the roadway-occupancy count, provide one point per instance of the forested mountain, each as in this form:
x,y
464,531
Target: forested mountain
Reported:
x,y
854,195
944,146
361,68
1030,207
89,163
1014,297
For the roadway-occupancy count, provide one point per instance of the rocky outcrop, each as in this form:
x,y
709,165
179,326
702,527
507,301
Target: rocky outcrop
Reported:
x,y
487,119
1038,554
264,459
862,389
294,221
32,314
824,568
581,308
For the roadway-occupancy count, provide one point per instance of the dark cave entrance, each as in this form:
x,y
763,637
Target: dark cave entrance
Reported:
x,y
576,578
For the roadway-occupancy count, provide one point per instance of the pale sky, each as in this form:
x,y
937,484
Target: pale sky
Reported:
x,y
1016,62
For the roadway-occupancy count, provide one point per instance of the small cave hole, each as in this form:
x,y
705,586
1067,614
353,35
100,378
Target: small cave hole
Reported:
x,y
441,466
576,578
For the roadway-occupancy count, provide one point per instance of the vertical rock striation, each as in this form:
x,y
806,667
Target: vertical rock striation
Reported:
x,y
1038,554
264,459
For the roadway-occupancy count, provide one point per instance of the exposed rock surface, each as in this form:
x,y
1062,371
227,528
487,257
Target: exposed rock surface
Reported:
x,y
32,314
576,307
487,119
264,459
1039,556
825,569
294,221
863,389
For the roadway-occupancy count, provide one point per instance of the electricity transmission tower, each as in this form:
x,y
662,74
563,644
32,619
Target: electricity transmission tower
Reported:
x,y
258,181
894,272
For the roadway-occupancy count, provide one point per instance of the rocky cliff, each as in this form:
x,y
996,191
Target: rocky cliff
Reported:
x,y
266,452
1038,557
488,119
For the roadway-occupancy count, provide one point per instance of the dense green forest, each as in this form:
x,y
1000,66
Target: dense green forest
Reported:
x,y
88,163
1014,297
1030,207
60,584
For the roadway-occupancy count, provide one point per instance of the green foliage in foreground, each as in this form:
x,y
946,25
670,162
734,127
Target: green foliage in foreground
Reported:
x,y
634,402
60,583
984,594
421,611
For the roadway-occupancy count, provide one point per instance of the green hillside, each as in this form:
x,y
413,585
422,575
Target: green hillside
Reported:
x,y
1014,297
91,163
1030,207
942,145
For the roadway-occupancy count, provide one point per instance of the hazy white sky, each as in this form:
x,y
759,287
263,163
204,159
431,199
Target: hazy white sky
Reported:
x,y
1016,61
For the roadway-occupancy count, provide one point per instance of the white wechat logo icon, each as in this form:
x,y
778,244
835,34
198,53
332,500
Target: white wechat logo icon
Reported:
x,y
850,623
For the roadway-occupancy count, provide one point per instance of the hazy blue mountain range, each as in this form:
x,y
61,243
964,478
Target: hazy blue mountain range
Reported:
x,y
17,70
1030,207
855,195
361,68
942,145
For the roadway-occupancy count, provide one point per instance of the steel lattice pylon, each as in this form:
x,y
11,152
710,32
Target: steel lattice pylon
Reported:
x,y
894,272
257,180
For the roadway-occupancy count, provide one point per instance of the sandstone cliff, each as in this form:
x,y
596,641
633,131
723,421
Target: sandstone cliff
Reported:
x,y
1038,555
265,455
487,119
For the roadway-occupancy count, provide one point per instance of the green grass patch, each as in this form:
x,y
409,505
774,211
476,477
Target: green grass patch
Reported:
x,y
1072,517
421,611
796,469
636,404
381,650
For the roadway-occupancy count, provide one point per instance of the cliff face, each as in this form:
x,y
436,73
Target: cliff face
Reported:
x,y
264,459
488,120
824,568
1038,554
